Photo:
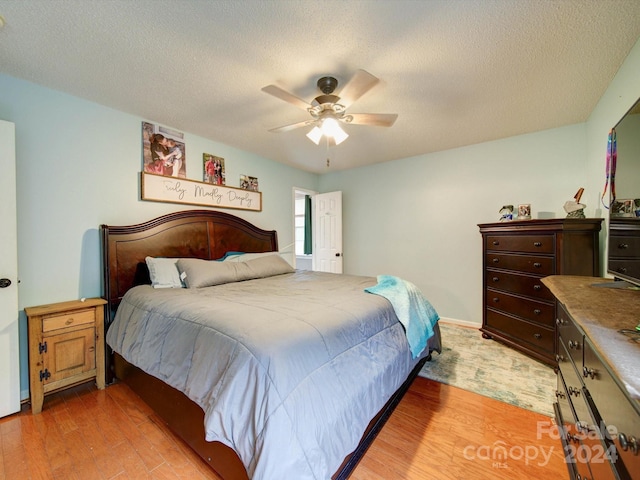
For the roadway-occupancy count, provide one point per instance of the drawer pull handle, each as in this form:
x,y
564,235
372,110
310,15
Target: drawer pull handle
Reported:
x,y
495,279
496,243
496,299
69,321
573,344
537,311
559,358
537,287
537,244
634,445
622,438
560,394
623,246
537,264
588,372
496,260
537,336
576,392
622,270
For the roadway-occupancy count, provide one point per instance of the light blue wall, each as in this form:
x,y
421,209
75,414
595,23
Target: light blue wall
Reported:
x,y
418,217
78,166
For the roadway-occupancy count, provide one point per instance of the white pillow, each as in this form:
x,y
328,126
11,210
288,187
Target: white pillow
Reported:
x,y
164,272
244,257
205,273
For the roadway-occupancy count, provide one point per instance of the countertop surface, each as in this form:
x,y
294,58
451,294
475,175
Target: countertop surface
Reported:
x,y
602,312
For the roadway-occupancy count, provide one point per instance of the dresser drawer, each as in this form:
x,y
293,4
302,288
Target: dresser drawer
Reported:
x,y
521,263
537,337
72,319
624,246
630,268
522,243
539,312
621,418
518,283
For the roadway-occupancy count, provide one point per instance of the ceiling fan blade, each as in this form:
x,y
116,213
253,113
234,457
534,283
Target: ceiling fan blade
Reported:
x,y
292,126
286,96
375,119
359,84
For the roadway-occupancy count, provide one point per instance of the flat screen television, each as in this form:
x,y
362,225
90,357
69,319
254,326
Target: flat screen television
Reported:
x,y
623,252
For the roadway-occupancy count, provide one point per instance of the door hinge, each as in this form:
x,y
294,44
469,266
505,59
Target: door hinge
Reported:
x,y
42,347
44,375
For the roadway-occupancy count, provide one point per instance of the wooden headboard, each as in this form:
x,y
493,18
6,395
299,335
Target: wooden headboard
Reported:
x,y
188,234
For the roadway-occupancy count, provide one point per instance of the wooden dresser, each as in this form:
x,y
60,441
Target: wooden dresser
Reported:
x,y
518,309
66,346
598,392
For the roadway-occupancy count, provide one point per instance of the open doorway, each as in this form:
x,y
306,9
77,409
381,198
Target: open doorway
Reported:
x,y
303,239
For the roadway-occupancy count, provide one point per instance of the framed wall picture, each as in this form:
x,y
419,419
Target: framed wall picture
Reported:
x,y
213,168
163,151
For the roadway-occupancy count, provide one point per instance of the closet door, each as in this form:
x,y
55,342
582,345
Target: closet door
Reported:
x,y
9,349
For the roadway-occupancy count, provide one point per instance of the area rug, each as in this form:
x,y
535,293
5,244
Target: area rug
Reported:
x,y
492,369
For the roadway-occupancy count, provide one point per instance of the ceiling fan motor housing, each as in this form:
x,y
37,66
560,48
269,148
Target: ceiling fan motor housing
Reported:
x,y
327,85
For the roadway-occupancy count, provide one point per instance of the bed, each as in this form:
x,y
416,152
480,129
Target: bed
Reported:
x,y
288,337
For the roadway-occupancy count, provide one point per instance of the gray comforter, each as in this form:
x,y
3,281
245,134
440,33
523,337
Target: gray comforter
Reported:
x,y
289,369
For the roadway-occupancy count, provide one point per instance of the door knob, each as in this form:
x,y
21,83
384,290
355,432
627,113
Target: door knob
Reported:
x,y
337,254
4,282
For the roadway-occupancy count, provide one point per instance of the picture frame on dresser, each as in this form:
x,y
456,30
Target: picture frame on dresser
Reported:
x,y
518,309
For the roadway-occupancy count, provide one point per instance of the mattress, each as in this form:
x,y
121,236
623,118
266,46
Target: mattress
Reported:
x,y
288,369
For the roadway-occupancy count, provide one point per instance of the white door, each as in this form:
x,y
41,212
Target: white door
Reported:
x,y
9,353
327,232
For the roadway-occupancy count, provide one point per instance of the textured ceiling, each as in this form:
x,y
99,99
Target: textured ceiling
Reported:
x,y
457,72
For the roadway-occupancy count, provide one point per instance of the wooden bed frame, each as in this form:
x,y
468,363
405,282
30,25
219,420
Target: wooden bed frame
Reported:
x,y
195,234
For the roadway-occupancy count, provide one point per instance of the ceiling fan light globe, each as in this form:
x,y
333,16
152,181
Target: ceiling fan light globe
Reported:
x,y
330,127
340,136
315,135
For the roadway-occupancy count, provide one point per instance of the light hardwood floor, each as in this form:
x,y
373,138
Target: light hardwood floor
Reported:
x,y
436,432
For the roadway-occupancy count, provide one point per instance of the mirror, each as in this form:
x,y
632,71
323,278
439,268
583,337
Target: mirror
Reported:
x,y
623,253
627,179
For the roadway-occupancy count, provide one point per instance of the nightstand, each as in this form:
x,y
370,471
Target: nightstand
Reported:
x,y
66,346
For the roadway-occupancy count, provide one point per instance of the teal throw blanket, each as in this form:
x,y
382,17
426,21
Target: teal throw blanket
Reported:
x,y
413,310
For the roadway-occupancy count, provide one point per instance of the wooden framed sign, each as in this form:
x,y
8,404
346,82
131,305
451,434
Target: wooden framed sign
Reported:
x,y
160,188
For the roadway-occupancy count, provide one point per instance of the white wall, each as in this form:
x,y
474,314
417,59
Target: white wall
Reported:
x,y
78,167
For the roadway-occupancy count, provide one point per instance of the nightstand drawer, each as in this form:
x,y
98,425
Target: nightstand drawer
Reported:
x,y
522,263
522,243
79,317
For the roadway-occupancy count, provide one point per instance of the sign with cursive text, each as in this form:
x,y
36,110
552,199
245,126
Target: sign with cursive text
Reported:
x,y
160,188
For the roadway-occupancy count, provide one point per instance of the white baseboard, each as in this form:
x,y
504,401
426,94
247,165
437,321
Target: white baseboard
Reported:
x,y
463,323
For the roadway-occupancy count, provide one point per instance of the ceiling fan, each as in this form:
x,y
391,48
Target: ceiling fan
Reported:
x,y
328,110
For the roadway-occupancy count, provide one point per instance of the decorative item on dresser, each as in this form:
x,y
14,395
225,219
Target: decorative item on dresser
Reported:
x,y
518,309
66,346
598,393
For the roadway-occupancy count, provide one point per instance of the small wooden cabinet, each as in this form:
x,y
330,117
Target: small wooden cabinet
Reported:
x,y
66,346
518,309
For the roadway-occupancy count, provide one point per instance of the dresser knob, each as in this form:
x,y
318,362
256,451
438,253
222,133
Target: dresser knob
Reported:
x,y
537,336
633,445
588,372
559,358
495,279
622,270
537,287
496,299
560,394
537,264
623,246
574,345
537,311
496,243
496,260
576,392
537,244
